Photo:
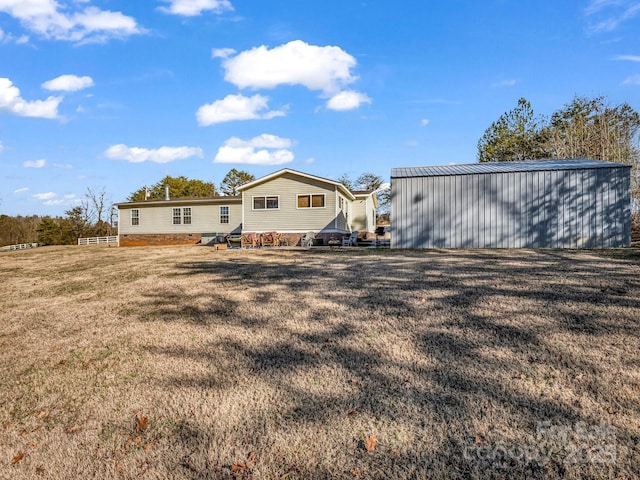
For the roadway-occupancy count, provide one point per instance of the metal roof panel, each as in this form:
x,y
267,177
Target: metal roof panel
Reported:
x,y
502,167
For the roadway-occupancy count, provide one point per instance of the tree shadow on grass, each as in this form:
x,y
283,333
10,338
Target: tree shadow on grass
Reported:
x,y
475,378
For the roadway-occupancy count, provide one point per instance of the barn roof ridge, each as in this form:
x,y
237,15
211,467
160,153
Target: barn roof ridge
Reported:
x,y
502,167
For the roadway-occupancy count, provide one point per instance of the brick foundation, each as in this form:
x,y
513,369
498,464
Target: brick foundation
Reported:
x,y
145,240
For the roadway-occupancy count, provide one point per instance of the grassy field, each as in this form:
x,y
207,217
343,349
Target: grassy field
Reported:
x,y
185,362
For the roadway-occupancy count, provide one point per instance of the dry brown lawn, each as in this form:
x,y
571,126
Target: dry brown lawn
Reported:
x,y
190,363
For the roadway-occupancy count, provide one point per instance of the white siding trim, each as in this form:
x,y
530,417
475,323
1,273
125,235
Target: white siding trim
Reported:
x,y
243,204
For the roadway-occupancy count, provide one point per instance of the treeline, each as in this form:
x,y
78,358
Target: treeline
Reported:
x,y
93,217
48,230
583,128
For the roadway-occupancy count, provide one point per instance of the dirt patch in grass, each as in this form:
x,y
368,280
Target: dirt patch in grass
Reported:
x,y
185,362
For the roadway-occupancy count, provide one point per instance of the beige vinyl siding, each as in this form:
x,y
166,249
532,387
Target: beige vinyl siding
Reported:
x,y
344,216
363,214
288,217
159,219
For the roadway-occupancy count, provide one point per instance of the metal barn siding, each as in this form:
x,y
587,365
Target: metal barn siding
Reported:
x,y
542,204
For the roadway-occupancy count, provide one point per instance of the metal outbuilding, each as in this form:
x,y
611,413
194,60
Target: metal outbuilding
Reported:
x,y
575,203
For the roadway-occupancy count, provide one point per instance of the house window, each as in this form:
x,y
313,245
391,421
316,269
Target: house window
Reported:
x,y
135,216
177,219
311,201
262,203
224,214
186,215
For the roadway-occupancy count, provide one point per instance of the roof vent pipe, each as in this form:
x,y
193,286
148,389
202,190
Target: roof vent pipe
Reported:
x,y
166,192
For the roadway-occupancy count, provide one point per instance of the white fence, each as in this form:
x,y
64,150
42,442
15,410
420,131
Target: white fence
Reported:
x,y
20,246
111,240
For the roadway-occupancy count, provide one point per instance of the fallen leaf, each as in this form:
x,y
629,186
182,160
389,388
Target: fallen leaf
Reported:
x,y
72,429
480,439
62,362
43,414
18,457
370,443
352,413
355,473
244,467
148,448
142,423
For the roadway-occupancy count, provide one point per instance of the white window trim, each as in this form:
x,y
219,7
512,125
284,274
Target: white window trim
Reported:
x,y
137,217
228,214
265,202
310,195
185,216
174,216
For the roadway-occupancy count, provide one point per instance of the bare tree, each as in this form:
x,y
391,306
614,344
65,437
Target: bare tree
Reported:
x,y
95,205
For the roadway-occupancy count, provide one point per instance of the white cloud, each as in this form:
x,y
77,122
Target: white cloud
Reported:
x,y
608,15
505,83
64,166
191,8
21,190
34,163
383,187
68,83
68,199
45,196
222,52
326,69
628,58
12,102
274,150
632,80
424,122
69,20
265,140
7,38
158,155
236,107
347,100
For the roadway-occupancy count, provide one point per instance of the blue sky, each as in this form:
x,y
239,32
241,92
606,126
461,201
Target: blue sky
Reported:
x,y
118,94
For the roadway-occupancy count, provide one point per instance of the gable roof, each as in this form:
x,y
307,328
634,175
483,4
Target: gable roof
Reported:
x,y
367,193
285,171
502,167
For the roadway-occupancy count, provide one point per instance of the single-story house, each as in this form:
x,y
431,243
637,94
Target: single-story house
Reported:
x,y
288,202
573,203
178,221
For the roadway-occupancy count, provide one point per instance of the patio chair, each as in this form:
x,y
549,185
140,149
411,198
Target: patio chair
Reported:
x,y
351,240
307,240
249,240
269,239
